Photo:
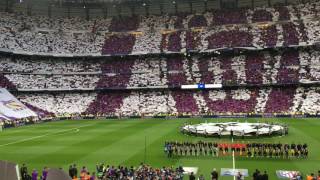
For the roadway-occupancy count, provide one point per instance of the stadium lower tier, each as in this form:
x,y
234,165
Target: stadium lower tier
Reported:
x,y
285,100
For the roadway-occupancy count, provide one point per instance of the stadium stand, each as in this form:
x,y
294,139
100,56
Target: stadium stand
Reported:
x,y
215,47
246,28
258,69
289,66
266,59
173,102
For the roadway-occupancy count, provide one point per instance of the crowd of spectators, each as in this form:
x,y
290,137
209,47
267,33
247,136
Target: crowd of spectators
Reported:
x,y
277,67
118,44
58,103
290,66
107,104
258,28
55,82
214,29
253,28
142,171
107,172
265,101
5,83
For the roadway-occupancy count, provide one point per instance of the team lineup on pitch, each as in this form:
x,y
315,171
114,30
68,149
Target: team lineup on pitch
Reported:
x,y
130,142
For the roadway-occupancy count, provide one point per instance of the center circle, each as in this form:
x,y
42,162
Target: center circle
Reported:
x,y
235,129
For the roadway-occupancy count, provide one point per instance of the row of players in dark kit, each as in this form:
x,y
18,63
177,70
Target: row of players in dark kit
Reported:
x,y
175,148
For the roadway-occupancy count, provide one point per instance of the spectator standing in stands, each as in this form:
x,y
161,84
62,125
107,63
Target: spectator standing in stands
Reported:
x,y
239,176
24,172
93,176
265,176
44,173
214,174
294,177
71,171
75,171
318,175
192,177
34,175
298,177
83,172
87,176
311,177
256,174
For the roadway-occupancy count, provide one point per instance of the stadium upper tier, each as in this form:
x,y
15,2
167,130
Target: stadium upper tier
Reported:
x,y
252,68
243,28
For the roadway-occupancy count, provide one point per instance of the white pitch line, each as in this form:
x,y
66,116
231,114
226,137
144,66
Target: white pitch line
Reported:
x,y
37,137
233,161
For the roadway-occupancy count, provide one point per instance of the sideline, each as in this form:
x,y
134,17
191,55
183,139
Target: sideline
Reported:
x,y
77,129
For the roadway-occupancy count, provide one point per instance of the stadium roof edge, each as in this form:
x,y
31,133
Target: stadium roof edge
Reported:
x,y
129,7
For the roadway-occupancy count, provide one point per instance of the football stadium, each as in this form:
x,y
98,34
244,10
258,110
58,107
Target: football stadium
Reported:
x,y
159,89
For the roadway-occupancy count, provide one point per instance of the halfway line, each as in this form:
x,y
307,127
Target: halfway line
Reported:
x,y
233,161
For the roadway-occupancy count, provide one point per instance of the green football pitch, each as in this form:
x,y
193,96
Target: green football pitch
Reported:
x,y
132,141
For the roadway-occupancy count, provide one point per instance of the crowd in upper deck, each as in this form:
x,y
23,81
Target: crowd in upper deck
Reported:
x,y
247,28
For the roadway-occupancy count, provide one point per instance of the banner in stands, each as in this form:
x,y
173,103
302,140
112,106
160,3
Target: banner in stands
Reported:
x,y
11,108
234,172
2,117
284,174
189,170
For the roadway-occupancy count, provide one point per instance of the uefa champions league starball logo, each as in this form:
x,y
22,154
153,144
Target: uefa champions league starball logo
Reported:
x,y
235,129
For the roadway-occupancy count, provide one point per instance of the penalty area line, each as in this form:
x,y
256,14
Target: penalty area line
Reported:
x,y
77,129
